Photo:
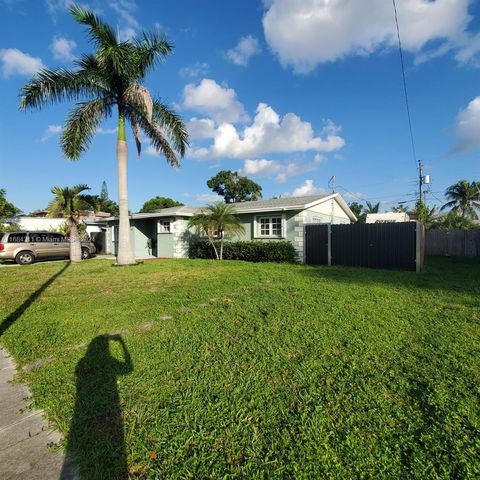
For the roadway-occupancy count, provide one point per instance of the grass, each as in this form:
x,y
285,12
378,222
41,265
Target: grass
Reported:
x,y
200,369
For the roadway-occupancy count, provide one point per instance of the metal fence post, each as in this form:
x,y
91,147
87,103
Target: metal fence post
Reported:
x,y
329,244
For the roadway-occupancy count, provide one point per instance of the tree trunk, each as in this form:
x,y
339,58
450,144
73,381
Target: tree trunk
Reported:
x,y
125,254
221,246
75,245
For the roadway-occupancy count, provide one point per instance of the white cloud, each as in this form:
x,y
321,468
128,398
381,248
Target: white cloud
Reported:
x,y
280,171
62,49
125,9
50,131
305,33
201,128
307,188
126,33
270,133
15,62
198,69
468,127
261,167
245,49
107,131
210,98
208,198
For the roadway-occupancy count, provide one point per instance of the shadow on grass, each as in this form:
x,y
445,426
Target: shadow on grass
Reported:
x,y
455,274
95,441
13,317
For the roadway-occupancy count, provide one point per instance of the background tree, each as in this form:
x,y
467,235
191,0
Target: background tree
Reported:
x,y
68,203
158,203
464,198
371,207
97,203
217,220
111,79
7,209
356,208
400,208
423,213
234,188
104,191
454,221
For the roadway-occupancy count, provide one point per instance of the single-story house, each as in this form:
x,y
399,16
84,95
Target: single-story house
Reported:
x,y
164,233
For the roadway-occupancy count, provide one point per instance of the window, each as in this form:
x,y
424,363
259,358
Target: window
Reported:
x,y
316,220
164,226
40,237
17,238
270,226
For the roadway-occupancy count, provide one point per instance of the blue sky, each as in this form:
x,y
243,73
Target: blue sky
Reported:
x,y
289,92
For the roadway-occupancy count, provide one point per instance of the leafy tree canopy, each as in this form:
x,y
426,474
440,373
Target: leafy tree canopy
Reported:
x,y
234,188
158,203
356,208
7,209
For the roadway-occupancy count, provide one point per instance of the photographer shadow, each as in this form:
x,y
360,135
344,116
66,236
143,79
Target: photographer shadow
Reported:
x,y
95,442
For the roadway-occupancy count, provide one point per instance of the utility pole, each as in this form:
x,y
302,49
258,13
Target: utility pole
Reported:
x,y
420,182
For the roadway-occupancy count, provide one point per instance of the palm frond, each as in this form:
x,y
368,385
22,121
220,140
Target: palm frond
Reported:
x,y
150,47
137,115
81,125
101,34
52,86
173,124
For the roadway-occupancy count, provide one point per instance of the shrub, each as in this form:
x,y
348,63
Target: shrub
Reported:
x,y
252,251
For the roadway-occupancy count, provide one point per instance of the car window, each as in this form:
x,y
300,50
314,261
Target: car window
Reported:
x,y
57,237
17,237
41,237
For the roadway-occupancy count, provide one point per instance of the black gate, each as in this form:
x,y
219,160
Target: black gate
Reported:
x,y
373,245
99,240
316,244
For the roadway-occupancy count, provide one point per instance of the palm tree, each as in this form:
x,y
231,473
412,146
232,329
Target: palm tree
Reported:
x,y
464,198
400,209
371,208
67,203
217,220
109,82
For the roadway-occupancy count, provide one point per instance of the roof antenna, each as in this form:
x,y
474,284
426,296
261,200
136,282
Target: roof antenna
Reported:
x,y
332,184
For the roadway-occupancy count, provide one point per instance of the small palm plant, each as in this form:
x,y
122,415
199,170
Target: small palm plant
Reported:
x,y
107,81
217,221
67,203
464,199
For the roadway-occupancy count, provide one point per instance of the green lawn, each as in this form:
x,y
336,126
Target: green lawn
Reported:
x,y
241,370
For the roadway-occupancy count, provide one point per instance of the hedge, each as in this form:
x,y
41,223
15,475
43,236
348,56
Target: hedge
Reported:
x,y
253,251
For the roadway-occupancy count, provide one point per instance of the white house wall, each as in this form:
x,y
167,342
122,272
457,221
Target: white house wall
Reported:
x,y
323,212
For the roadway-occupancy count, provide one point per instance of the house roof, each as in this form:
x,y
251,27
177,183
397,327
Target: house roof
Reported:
x,y
272,205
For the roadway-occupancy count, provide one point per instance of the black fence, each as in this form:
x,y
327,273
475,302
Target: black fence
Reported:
x,y
457,243
398,246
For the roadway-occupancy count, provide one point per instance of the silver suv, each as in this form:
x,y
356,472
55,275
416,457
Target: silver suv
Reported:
x,y
26,247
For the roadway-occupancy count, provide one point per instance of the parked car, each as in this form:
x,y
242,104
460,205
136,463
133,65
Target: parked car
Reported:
x,y
26,247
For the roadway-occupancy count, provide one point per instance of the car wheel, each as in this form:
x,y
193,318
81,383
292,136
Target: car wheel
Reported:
x,y
85,253
24,258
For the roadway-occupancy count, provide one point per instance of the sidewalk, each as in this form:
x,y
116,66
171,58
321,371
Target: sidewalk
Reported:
x,y
24,434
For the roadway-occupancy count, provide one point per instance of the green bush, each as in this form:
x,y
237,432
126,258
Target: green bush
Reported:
x,y
253,251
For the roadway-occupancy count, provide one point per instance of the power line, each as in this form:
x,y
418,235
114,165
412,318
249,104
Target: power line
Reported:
x,y
407,103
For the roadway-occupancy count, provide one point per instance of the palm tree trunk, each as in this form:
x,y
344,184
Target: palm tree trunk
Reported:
x,y
125,254
75,245
212,240
221,246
